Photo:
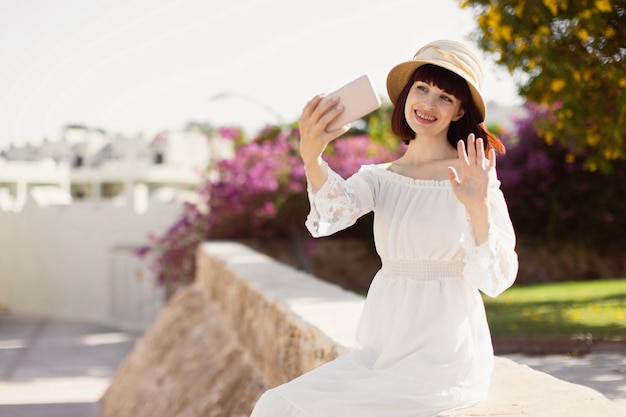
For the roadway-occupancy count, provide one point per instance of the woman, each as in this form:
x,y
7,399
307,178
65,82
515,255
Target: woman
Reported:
x,y
443,233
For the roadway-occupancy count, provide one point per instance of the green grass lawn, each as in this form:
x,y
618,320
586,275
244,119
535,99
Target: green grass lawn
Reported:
x,y
596,308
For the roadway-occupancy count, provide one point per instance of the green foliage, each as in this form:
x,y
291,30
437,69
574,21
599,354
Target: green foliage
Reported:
x,y
570,55
564,309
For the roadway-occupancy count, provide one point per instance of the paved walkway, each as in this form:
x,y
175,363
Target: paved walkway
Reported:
x,y
61,369
56,368
604,372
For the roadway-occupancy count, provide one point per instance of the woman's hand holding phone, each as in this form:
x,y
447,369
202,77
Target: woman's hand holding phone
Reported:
x,y
326,117
358,99
329,116
314,136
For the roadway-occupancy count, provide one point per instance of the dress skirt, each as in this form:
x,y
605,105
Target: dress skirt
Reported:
x,y
430,361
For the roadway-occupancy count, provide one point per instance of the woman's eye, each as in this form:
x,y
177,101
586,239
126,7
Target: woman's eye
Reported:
x,y
422,88
446,98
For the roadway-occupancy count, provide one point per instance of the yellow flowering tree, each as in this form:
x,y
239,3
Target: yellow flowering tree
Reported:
x,y
569,55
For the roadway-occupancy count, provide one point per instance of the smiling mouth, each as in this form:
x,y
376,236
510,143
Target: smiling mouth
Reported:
x,y
425,117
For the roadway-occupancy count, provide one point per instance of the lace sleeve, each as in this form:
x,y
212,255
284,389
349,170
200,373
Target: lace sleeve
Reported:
x,y
338,204
492,266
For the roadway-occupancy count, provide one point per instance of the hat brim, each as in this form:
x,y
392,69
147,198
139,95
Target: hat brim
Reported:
x,y
400,74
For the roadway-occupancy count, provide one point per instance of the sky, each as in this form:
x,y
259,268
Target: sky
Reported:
x,y
146,66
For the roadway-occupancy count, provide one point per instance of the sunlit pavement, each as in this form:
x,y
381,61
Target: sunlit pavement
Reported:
x,y
56,368
61,369
604,372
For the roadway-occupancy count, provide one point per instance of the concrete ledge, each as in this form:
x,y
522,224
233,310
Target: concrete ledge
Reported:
x,y
290,322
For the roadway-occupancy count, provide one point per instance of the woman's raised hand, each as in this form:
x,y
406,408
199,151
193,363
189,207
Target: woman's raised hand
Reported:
x,y
314,138
471,184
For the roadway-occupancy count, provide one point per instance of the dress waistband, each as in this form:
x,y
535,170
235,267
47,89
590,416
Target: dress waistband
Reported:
x,y
423,268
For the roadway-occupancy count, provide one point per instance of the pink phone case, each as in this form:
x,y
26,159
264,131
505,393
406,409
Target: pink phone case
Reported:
x,y
358,99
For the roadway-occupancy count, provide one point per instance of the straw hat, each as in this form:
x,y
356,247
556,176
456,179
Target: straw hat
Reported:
x,y
450,55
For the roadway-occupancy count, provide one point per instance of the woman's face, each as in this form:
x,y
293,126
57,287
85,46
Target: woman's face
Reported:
x,y
429,110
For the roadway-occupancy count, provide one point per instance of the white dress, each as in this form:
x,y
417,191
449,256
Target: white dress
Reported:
x,y
422,344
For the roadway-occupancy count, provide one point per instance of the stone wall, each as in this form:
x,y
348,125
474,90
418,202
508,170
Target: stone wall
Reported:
x,y
187,365
249,323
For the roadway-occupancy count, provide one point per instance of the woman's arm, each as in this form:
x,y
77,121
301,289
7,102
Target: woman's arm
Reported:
x,y
314,138
491,262
492,265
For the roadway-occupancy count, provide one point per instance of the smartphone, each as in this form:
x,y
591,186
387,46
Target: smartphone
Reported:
x,y
358,99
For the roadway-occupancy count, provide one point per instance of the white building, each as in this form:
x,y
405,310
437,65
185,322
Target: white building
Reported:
x,y
72,210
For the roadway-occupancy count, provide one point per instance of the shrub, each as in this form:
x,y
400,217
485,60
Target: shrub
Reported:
x,y
259,193
550,192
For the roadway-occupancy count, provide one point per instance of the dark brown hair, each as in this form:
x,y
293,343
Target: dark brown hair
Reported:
x,y
452,84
